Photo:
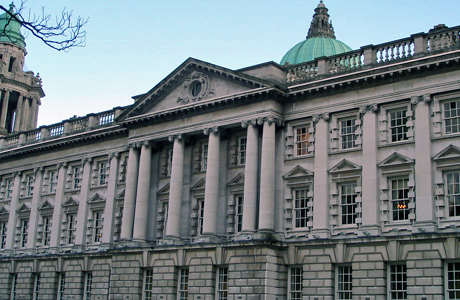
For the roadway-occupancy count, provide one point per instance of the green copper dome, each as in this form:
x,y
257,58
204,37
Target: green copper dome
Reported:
x,y
312,48
320,40
10,29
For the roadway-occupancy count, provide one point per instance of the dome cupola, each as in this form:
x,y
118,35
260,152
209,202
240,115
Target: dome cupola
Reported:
x,y
10,28
320,40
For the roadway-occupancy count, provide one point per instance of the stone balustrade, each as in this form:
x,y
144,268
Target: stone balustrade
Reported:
x,y
441,39
67,127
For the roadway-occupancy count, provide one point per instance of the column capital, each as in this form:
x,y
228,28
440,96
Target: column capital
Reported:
x,y
414,100
325,116
17,173
208,131
270,120
114,155
133,145
87,160
363,109
62,165
146,143
38,169
426,98
246,124
174,137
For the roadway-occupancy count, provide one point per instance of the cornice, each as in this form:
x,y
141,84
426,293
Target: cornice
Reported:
x,y
63,141
374,73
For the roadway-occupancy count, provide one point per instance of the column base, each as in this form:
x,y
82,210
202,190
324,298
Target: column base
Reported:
x,y
171,241
244,236
320,234
206,239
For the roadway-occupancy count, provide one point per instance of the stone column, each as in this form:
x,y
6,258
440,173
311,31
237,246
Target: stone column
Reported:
x,y
57,212
250,176
25,118
267,177
34,112
129,204
5,102
109,211
12,218
34,215
175,188
19,109
424,195
370,189
211,193
143,188
320,181
82,215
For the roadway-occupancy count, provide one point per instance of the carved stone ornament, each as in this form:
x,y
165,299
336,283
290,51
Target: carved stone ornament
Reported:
x,y
195,88
426,98
414,100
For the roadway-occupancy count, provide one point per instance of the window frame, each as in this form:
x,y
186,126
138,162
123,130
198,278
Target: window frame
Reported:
x,y
3,233
385,128
204,157
353,205
52,177
98,226
71,222
29,180
46,239
239,210
307,216
406,199
344,289
183,283
391,282
443,116
394,130
305,144
453,194
61,286
293,294
14,284
36,288
147,285
221,283
24,232
88,284
242,146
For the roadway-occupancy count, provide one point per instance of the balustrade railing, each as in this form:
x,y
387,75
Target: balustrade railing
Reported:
x,y
437,40
67,127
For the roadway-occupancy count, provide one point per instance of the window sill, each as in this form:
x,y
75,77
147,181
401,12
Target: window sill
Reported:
x,y
446,136
299,157
345,151
392,144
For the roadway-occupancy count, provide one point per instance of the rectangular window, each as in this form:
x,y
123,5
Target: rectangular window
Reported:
x,y
102,173
204,157
400,199
71,227
348,203
165,206
398,128
88,286
200,215
182,287
222,283
29,185
46,231
453,281
295,283
302,140
170,158
61,286
9,188
97,230
52,177
452,116
3,230
76,181
397,282
452,180
239,212
36,292
302,208
24,233
148,285
14,283
347,133
344,282
242,145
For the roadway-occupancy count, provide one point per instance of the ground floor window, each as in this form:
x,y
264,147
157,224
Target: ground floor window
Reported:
x,y
397,282
453,281
295,283
344,282
222,283
182,287
148,285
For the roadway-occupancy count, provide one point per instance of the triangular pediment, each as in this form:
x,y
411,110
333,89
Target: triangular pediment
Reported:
x,y
96,198
23,209
237,180
120,196
395,159
199,185
46,205
194,81
4,211
345,166
164,189
70,202
297,172
450,152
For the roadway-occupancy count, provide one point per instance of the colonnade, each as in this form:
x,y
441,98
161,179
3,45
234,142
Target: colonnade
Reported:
x,y
134,224
26,112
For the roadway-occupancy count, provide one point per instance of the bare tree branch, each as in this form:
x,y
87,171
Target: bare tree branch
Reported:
x,y
62,34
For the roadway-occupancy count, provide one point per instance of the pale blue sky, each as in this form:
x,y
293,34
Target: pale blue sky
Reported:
x,y
132,45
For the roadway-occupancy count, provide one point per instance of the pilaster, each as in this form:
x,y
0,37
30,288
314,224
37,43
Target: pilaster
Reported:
x,y
19,110
57,212
11,232
34,216
82,215
320,190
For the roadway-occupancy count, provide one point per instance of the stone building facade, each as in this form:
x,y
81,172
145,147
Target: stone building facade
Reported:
x,y
337,178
